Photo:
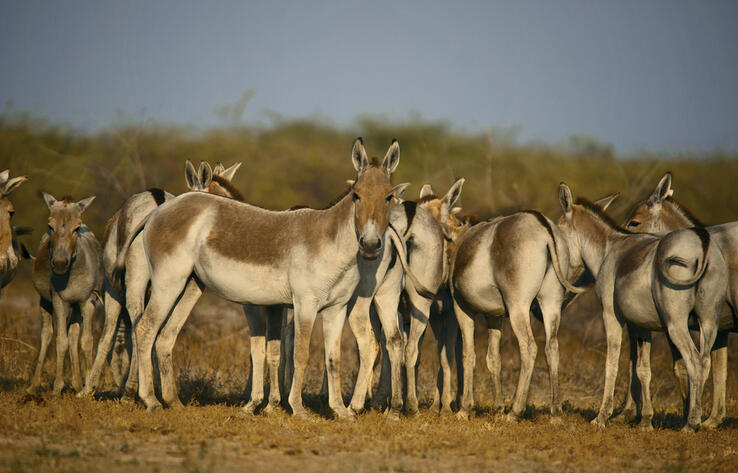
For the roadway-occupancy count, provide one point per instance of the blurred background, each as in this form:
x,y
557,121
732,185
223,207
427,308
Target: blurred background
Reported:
x,y
110,98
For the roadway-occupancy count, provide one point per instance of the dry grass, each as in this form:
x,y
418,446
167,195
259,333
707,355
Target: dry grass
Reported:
x,y
49,433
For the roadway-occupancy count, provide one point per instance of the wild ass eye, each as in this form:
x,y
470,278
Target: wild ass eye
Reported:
x,y
633,223
389,198
355,197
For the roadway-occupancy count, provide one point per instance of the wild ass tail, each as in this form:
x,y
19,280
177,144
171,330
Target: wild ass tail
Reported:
x,y
120,261
553,251
25,254
402,256
675,243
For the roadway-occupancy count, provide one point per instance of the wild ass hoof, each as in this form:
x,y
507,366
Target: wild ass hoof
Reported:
x,y
646,424
272,408
85,393
624,417
128,398
599,421
445,411
301,413
557,420
712,423
392,414
691,428
58,388
33,389
153,406
175,404
462,415
344,413
251,406
512,417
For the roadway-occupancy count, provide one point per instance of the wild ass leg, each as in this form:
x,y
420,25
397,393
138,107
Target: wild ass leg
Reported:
x,y
47,332
75,321
61,313
303,320
87,309
168,337
104,346
466,326
614,335
520,321
643,370
137,280
494,364
447,355
120,358
683,342
361,326
680,372
164,294
719,377
630,408
333,321
288,350
386,302
384,386
257,339
419,314
273,347
549,300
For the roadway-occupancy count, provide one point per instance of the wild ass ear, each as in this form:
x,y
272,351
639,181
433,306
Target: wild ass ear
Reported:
x,y
191,176
84,203
218,169
662,191
605,202
230,172
566,200
358,155
453,193
49,199
455,210
205,174
4,176
12,184
426,190
392,158
399,190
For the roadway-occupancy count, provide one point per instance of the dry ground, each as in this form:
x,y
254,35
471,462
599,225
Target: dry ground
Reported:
x,y
51,433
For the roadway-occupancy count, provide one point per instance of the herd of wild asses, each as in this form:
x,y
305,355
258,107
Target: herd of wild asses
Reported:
x,y
413,262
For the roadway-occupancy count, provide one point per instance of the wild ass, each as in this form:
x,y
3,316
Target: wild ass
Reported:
x,y
661,213
652,283
9,249
306,258
499,268
67,273
134,274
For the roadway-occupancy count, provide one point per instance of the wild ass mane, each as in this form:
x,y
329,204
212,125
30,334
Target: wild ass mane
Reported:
x,y
602,216
228,185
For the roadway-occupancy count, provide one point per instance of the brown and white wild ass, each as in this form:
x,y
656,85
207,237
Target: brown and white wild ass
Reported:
x,y
652,283
9,249
130,271
661,213
306,258
499,268
67,273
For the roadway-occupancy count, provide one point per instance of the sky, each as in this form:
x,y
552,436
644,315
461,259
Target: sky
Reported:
x,y
641,75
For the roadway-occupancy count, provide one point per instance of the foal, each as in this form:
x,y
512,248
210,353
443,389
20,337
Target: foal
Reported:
x,y
67,274
9,249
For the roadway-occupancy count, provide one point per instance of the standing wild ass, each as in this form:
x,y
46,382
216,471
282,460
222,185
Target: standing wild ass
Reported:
x,y
661,213
9,249
134,274
67,274
652,283
500,267
306,258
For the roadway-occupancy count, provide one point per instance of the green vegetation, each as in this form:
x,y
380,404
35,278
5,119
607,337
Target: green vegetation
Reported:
x,y
307,162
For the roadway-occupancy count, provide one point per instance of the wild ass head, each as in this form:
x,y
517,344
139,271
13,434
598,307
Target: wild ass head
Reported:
x,y
585,224
213,180
373,196
442,208
65,221
660,212
8,257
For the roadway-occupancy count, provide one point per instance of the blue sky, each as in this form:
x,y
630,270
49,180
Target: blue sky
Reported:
x,y
656,75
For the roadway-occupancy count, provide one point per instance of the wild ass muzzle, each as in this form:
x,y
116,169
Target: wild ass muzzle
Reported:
x,y
654,283
67,274
661,213
133,273
9,249
306,258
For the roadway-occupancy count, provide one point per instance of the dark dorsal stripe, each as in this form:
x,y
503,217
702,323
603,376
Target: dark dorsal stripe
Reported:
x,y
227,185
542,220
158,195
410,208
298,207
427,198
603,217
694,221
